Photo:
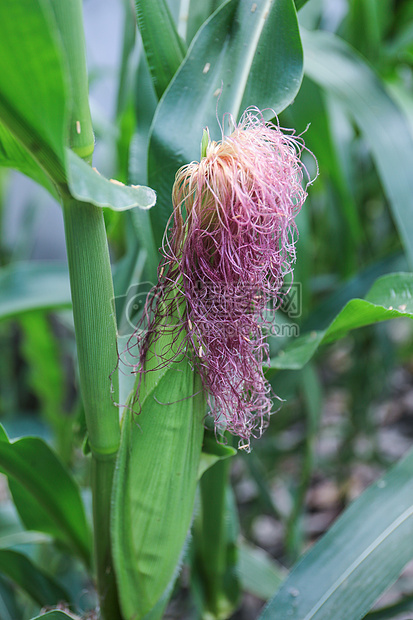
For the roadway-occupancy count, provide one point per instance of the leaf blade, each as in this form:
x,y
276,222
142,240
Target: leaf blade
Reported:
x,y
35,582
335,575
45,495
246,56
33,286
389,297
335,66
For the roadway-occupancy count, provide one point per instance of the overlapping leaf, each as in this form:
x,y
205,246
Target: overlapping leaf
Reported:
x,y
33,109
245,54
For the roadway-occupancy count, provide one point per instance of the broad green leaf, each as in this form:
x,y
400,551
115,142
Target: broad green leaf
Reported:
x,y
87,185
46,496
154,488
33,109
246,54
164,49
36,583
390,297
335,66
357,286
32,82
260,574
358,558
33,286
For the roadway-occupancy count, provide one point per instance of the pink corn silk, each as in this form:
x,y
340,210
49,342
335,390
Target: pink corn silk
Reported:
x,y
229,244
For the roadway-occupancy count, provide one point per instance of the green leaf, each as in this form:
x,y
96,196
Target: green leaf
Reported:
x,y
33,109
154,488
390,297
245,54
260,573
164,49
212,452
358,558
32,83
335,66
40,350
198,13
33,286
36,583
14,155
8,603
87,185
46,496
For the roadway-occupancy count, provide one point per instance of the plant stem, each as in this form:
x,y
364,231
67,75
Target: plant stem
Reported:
x,y
213,538
93,311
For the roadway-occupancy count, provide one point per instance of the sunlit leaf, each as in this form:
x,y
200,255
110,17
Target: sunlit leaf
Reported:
x,y
390,297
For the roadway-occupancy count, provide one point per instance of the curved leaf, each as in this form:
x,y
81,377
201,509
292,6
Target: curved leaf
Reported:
x,y
37,584
390,297
358,558
14,155
33,286
46,497
245,54
87,185
164,49
335,66
212,452
259,572
32,82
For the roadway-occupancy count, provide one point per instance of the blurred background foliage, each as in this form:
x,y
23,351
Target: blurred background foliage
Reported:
x,y
348,413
